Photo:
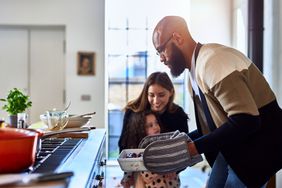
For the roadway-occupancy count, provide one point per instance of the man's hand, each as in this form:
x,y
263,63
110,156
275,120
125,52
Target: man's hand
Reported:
x,y
169,155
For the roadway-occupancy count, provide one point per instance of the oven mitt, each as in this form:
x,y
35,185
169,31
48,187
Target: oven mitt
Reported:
x,y
170,155
151,138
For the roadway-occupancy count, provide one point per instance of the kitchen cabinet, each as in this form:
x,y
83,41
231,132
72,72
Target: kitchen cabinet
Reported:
x,y
32,58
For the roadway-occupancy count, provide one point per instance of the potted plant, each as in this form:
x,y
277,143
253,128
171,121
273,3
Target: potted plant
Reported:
x,y
16,102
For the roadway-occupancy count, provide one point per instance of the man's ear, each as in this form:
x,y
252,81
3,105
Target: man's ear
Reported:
x,y
178,38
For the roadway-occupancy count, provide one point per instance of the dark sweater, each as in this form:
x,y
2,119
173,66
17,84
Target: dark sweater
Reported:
x,y
174,121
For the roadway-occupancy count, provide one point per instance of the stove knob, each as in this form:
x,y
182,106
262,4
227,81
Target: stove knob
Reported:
x,y
102,163
99,177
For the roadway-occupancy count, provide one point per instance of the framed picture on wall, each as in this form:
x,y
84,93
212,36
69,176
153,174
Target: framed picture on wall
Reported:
x,y
86,63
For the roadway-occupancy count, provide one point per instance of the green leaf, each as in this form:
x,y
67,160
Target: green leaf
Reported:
x,y
16,102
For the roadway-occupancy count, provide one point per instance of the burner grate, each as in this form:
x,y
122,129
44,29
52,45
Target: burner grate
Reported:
x,y
53,153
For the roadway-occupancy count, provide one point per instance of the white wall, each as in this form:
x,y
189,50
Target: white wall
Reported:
x,y
209,22
84,23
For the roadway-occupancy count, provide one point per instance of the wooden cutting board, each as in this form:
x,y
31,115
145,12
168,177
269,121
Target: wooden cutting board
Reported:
x,y
83,134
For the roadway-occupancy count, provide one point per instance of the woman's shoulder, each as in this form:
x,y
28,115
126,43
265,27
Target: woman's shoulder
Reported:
x,y
127,114
175,114
177,107
178,110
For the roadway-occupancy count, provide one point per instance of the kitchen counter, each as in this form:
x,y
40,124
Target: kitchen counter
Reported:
x,y
87,162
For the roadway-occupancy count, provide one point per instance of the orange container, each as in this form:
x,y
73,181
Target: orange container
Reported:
x,y
17,149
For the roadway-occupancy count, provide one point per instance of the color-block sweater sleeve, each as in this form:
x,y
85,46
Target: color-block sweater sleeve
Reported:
x,y
235,130
242,114
235,90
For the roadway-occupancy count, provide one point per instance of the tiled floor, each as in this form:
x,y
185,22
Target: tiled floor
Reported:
x,y
192,177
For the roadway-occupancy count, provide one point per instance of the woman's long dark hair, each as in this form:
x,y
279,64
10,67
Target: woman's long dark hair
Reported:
x,y
141,103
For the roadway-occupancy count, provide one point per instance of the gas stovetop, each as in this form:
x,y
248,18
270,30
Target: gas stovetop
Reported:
x,y
53,153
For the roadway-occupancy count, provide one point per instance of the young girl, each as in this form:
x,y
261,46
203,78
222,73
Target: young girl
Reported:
x,y
147,124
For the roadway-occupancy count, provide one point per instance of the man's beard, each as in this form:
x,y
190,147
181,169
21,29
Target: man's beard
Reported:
x,y
177,61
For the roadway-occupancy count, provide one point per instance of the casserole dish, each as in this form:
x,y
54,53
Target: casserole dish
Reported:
x,y
17,149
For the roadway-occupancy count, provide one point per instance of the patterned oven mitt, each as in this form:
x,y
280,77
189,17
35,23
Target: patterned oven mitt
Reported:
x,y
152,138
169,155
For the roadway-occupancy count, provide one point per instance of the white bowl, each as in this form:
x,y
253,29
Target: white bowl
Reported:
x,y
78,121
131,164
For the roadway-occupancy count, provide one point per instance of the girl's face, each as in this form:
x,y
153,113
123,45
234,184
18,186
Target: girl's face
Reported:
x,y
158,97
152,126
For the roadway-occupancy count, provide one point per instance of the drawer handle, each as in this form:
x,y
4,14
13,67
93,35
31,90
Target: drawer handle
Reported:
x,y
99,177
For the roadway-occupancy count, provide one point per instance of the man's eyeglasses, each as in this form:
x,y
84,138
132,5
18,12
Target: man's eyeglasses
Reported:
x,y
161,48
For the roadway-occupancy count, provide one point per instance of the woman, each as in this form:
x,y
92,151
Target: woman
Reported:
x,y
157,95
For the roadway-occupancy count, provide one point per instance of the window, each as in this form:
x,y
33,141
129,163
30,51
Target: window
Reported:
x,y
131,56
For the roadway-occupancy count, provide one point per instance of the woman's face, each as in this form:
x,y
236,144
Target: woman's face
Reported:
x,y
158,97
152,126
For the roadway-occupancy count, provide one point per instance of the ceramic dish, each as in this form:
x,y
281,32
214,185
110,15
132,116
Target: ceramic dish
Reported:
x,y
132,164
78,121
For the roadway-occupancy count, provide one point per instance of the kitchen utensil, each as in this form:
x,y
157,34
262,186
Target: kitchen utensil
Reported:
x,y
25,179
17,149
82,115
52,133
67,106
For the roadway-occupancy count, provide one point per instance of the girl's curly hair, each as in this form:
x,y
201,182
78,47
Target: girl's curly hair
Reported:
x,y
135,130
